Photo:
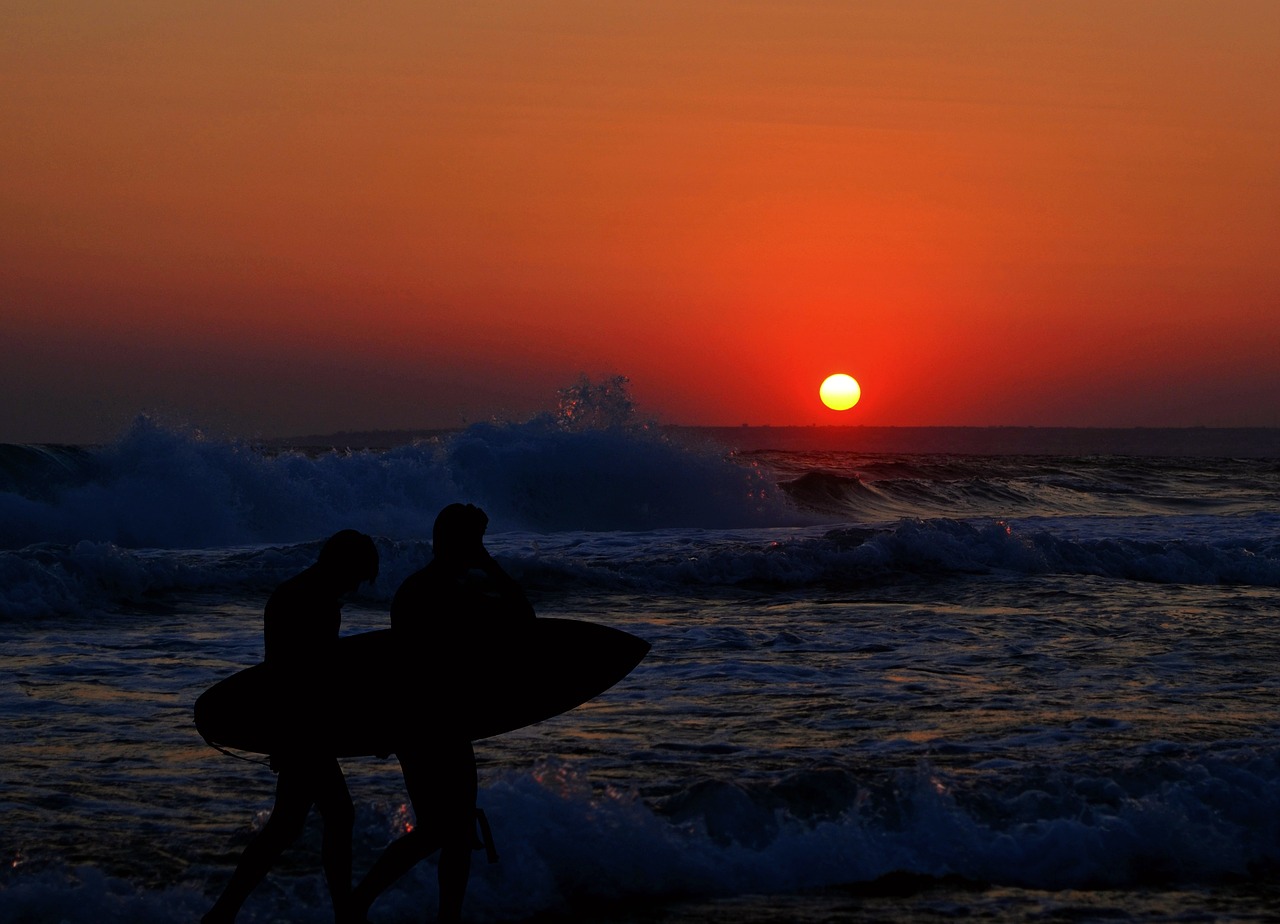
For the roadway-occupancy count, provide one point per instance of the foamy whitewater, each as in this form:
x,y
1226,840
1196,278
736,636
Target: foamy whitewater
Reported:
x,y
1011,684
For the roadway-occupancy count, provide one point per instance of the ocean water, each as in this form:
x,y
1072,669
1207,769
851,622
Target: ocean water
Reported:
x,y
1000,676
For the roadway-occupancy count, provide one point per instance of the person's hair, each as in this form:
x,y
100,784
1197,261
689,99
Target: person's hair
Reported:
x,y
456,526
352,552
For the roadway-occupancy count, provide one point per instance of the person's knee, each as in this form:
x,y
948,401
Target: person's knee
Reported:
x,y
339,814
460,830
444,829
282,828
421,842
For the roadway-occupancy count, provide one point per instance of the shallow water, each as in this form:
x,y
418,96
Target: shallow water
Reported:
x,y
778,742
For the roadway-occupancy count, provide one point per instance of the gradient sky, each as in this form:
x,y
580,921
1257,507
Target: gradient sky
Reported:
x,y
296,217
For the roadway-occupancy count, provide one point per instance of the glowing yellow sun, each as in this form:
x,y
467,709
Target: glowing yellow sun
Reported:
x,y
840,392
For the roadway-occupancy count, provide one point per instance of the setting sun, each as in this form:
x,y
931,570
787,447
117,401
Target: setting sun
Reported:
x,y
840,392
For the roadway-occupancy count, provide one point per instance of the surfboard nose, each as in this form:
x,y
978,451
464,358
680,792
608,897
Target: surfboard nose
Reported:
x,y
633,649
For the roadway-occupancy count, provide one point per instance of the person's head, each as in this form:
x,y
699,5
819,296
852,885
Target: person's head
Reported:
x,y
350,557
459,532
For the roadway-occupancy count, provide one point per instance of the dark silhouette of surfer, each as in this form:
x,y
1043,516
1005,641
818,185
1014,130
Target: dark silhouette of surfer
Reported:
x,y
441,616
301,623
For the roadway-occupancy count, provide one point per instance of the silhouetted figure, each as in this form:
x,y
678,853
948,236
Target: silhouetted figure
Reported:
x,y
301,625
440,615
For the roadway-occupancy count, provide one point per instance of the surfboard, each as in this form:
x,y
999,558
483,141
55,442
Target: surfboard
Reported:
x,y
547,668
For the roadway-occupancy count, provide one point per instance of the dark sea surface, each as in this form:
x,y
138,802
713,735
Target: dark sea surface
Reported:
x,y
998,675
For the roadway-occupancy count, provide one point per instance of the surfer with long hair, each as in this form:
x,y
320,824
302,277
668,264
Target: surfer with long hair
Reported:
x,y
300,629
442,615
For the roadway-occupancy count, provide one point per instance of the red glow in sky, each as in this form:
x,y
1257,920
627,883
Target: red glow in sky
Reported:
x,y
295,218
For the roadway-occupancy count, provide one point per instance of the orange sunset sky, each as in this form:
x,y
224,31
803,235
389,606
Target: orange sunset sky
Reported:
x,y
284,218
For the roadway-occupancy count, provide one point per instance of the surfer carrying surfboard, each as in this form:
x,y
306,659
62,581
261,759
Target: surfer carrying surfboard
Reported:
x,y
300,628
442,615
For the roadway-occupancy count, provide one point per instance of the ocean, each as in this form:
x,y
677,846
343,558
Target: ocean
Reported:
x,y
997,675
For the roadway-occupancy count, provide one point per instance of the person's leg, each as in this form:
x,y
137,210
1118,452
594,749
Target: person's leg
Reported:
x,y
333,801
442,789
455,870
458,827
293,801
406,851
400,856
